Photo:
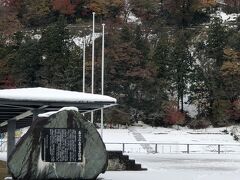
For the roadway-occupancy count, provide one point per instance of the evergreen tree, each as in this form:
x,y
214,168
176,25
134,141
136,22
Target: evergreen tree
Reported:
x,y
126,34
25,63
199,91
55,53
34,12
140,42
161,57
217,37
181,66
52,61
210,57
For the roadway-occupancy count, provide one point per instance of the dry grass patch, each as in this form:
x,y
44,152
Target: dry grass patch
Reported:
x,y
3,170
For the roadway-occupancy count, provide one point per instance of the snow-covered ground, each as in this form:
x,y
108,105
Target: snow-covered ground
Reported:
x,y
171,166
169,135
203,162
170,140
3,156
181,167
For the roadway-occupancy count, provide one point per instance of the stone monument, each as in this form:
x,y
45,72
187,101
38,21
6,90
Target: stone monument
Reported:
x,y
61,146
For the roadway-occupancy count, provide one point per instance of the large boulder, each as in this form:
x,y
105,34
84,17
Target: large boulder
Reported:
x,y
27,161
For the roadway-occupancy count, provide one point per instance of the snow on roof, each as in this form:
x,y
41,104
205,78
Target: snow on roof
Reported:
x,y
52,95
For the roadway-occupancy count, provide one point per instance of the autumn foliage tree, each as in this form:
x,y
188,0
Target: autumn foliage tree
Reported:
x,y
9,22
34,12
234,112
230,72
184,12
106,8
67,7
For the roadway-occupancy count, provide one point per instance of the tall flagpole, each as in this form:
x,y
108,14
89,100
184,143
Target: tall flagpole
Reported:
x,y
84,60
103,36
93,39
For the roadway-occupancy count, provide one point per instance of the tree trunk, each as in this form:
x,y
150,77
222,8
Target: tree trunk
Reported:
x,y
182,103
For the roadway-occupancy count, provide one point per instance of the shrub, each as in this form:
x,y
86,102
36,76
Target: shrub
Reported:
x,y
199,124
234,112
172,115
222,123
225,131
221,113
154,119
117,117
235,137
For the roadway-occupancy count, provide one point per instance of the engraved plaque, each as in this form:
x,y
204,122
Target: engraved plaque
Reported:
x,y
61,145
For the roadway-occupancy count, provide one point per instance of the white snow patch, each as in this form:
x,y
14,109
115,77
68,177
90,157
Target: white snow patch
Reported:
x,y
3,156
132,18
227,17
190,108
37,36
88,39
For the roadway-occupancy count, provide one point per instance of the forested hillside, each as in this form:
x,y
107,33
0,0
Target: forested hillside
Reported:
x,y
161,55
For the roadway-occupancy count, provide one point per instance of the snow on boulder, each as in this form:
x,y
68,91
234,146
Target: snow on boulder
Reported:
x,y
47,114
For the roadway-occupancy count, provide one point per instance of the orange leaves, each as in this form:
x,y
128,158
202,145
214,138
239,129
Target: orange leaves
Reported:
x,y
8,82
105,7
230,72
235,111
9,22
102,7
232,54
65,6
98,6
206,3
232,3
231,69
9,3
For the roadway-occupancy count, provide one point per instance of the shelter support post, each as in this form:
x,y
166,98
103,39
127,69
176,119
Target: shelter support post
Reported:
x,y
11,127
35,114
102,123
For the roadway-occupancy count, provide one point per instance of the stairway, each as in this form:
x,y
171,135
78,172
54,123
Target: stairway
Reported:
x,y
117,161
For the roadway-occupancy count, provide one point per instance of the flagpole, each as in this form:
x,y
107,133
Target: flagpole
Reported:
x,y
93,43
84,63
103,36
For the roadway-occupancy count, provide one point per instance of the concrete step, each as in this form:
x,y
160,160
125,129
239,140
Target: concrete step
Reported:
x,y
122,162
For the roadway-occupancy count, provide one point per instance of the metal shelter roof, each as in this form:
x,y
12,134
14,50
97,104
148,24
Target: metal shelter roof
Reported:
x,y
22,104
